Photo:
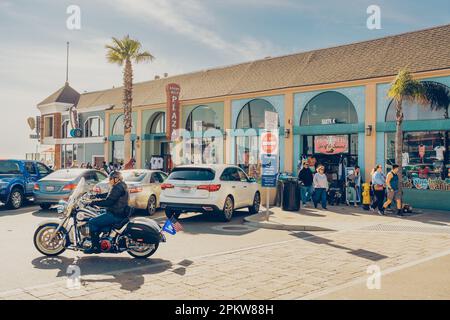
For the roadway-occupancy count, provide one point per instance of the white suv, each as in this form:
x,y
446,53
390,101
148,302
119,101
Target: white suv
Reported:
x,y
209,188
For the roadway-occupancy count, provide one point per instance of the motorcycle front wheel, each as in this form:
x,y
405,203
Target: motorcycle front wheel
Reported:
x,y
47,243
142,251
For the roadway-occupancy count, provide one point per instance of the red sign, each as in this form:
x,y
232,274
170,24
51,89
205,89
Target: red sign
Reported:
x,y
269,143
331,144
173,108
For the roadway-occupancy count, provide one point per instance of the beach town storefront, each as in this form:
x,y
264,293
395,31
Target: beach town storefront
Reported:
x,y
331,105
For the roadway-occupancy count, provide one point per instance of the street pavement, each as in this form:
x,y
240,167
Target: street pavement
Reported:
x,y
213,260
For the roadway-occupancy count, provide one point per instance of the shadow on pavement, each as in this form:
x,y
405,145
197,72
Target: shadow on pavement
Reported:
x,y
27,208
362,253
127,272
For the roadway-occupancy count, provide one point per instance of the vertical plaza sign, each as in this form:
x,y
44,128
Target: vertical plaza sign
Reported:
x,y
173,109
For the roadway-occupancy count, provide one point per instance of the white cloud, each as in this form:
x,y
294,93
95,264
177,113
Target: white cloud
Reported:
x,y
192,19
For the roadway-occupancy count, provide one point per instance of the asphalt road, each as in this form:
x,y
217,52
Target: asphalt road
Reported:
x,y
22,266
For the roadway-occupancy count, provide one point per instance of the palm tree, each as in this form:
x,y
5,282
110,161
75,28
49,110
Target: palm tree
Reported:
x,y
426,93
124,52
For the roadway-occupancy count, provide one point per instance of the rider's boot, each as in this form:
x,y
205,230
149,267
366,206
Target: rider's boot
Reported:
x,y
95,247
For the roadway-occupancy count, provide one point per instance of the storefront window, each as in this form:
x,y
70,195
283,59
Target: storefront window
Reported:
x,y
69,155
328,108
118,126
425,159
118,151
204,149
65,129
158,123
251,118
93,127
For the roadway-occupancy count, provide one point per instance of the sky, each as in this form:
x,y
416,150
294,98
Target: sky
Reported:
x,y
183,35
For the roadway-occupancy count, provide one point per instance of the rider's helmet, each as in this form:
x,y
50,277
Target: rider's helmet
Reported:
x,y
115,175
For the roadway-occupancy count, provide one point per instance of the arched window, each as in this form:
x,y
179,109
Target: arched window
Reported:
x,y
203,116
415,111
157,123
252,114
93,127
65,129
328,108
118,126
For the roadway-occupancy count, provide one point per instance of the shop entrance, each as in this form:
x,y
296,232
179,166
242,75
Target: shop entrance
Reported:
x,y
334,152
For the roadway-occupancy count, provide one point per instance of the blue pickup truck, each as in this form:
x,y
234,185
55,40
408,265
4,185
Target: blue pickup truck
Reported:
x,y
17,179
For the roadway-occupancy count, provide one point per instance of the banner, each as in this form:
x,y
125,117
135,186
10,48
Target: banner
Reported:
x,y
331,144
172,109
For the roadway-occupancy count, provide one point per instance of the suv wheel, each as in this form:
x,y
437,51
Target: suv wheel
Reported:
x,y
15,199
256,204
228,209
172,214
151,205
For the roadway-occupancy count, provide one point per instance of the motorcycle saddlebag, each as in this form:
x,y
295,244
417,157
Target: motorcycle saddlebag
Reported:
x,y
144,230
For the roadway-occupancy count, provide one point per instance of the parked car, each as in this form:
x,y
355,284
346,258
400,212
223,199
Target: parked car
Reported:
x,y
17,179
60,184
144,187
218,189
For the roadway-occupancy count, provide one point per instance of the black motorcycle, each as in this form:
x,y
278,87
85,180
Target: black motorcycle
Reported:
x,y
140,237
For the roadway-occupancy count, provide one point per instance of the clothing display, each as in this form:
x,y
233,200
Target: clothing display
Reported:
x,y
405,159
439,152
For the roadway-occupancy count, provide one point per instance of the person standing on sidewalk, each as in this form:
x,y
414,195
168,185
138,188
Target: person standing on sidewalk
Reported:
x,y
392,190
378,183
320,183
306,177
351,193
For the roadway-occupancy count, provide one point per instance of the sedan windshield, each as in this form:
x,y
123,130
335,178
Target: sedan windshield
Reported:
x,y
9,167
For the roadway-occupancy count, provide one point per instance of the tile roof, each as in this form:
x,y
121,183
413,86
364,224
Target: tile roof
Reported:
x,y
422,50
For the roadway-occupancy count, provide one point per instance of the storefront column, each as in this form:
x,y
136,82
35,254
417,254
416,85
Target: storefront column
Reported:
x,y
370,120
288,125
227,125
140,134
106,135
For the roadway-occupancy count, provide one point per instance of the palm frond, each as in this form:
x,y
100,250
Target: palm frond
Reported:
x,y
436,94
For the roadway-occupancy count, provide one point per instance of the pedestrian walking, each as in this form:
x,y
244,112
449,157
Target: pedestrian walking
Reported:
x,y
306,177
320,183
392,190
351,193
378,183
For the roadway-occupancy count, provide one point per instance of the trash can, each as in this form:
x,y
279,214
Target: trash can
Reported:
x,y
291,195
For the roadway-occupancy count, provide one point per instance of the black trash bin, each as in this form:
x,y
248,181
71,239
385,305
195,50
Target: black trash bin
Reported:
x,y
291,195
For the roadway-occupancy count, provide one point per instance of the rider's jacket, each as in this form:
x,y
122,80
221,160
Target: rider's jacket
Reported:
x,y
116,201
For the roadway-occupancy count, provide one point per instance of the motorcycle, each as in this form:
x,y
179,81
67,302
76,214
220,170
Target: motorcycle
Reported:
x,y
139,237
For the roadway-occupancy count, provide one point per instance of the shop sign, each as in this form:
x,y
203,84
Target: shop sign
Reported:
x,y
172,108
331,144
269,142
328,121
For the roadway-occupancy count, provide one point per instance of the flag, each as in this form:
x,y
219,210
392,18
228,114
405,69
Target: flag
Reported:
x,y
172,226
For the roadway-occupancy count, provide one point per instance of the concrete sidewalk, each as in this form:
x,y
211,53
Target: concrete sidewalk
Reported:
x,y
340,218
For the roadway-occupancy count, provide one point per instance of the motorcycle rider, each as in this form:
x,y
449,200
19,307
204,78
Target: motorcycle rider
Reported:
x,y
116,204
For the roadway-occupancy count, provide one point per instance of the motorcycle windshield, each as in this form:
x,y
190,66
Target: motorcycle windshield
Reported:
x,y
78,190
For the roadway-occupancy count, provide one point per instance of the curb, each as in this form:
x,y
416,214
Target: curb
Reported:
x,y
279,226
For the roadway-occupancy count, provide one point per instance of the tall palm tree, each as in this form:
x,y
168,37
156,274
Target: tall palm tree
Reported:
x,y
124,52
427,93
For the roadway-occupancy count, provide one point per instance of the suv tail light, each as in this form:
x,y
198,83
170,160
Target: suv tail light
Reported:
x,y
69,187
209,187
36,187
165,186
134,189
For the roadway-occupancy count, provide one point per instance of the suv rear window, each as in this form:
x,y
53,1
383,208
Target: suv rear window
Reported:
x,y
9,167
195,174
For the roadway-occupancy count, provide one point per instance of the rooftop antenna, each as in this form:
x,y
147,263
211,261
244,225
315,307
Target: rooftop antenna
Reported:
x,y
67,64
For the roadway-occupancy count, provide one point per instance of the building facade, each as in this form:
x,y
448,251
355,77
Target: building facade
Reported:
x,y
332,105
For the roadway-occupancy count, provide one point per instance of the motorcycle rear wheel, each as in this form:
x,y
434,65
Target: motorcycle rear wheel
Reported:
x,y
144,252
46,246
